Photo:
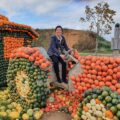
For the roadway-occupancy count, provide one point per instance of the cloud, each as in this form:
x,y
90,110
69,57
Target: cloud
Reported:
x,y
6,8
49,6
68,18
114,4
14,7
49,13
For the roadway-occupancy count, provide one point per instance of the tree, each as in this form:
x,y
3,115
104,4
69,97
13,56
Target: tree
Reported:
x,y
100,18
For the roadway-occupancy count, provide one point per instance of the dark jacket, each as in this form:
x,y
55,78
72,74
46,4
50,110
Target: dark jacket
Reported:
x,y
55,45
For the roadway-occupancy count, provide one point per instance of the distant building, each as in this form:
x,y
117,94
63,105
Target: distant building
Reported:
x,y
115,43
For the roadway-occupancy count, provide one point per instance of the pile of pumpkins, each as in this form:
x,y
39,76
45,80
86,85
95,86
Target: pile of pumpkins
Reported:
x,y
28,89
99,104
97,71
10,110
27,76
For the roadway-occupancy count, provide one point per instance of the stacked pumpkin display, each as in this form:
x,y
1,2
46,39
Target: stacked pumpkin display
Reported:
x,y
10,110
27,77
12,36
97,72
99,104
28,73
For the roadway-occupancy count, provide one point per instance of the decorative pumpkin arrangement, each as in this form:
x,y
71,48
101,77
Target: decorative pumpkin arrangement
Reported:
x,y
12,36
27,74
3,18
27,77
5,24
61,100
99,104
23,58
10,110
11,43
28,88
97,72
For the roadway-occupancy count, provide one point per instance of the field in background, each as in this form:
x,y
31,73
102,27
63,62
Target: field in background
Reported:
x,y
83,41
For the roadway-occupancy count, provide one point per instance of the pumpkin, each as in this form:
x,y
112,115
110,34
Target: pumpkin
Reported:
x,y
109,114
27,81
85,108
97,72
97,101
14,115
25,116
100,103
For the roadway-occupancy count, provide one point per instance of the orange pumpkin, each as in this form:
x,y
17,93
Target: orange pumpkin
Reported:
x,y
85,108
97,101
109,114
43,66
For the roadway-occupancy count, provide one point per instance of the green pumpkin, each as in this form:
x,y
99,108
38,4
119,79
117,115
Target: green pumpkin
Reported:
x,y
26,83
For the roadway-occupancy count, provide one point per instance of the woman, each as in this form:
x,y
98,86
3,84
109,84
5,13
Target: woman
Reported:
x,y
56,53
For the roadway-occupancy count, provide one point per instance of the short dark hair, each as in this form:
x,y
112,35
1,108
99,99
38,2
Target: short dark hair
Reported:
x,y
58,27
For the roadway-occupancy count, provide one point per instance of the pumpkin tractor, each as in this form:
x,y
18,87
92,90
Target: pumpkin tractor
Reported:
x,y
27,75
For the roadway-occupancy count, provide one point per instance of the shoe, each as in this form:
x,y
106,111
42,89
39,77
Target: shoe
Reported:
x,y
65,86
65,81
58,84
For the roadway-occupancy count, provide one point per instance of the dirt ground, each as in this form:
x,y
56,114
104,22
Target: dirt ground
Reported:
x,y
56,116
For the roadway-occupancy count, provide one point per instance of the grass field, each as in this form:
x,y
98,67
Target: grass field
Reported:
x,y
99,53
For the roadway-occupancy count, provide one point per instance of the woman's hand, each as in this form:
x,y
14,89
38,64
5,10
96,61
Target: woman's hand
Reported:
x,y
62,56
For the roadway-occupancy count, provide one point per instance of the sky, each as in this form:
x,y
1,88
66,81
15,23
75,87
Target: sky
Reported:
x,y
45,14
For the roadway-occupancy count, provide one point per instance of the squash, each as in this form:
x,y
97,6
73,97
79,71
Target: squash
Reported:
x,y
30,112
25,116
27,81
3,114
37,115
109,114
14,115
104,106
85,108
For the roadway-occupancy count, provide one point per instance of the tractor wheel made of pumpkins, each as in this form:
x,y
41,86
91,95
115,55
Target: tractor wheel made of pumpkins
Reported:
x,y
27,77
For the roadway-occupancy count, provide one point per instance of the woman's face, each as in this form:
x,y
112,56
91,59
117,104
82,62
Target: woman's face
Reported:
x,y
58,32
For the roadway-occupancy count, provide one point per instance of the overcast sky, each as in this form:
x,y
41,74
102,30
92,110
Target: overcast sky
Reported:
x,y
49,13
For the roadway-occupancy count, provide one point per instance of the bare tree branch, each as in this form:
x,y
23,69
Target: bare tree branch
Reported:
x,y
100,18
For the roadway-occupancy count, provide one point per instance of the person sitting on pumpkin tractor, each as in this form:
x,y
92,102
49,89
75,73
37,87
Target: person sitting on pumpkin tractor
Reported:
x,y
56,52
